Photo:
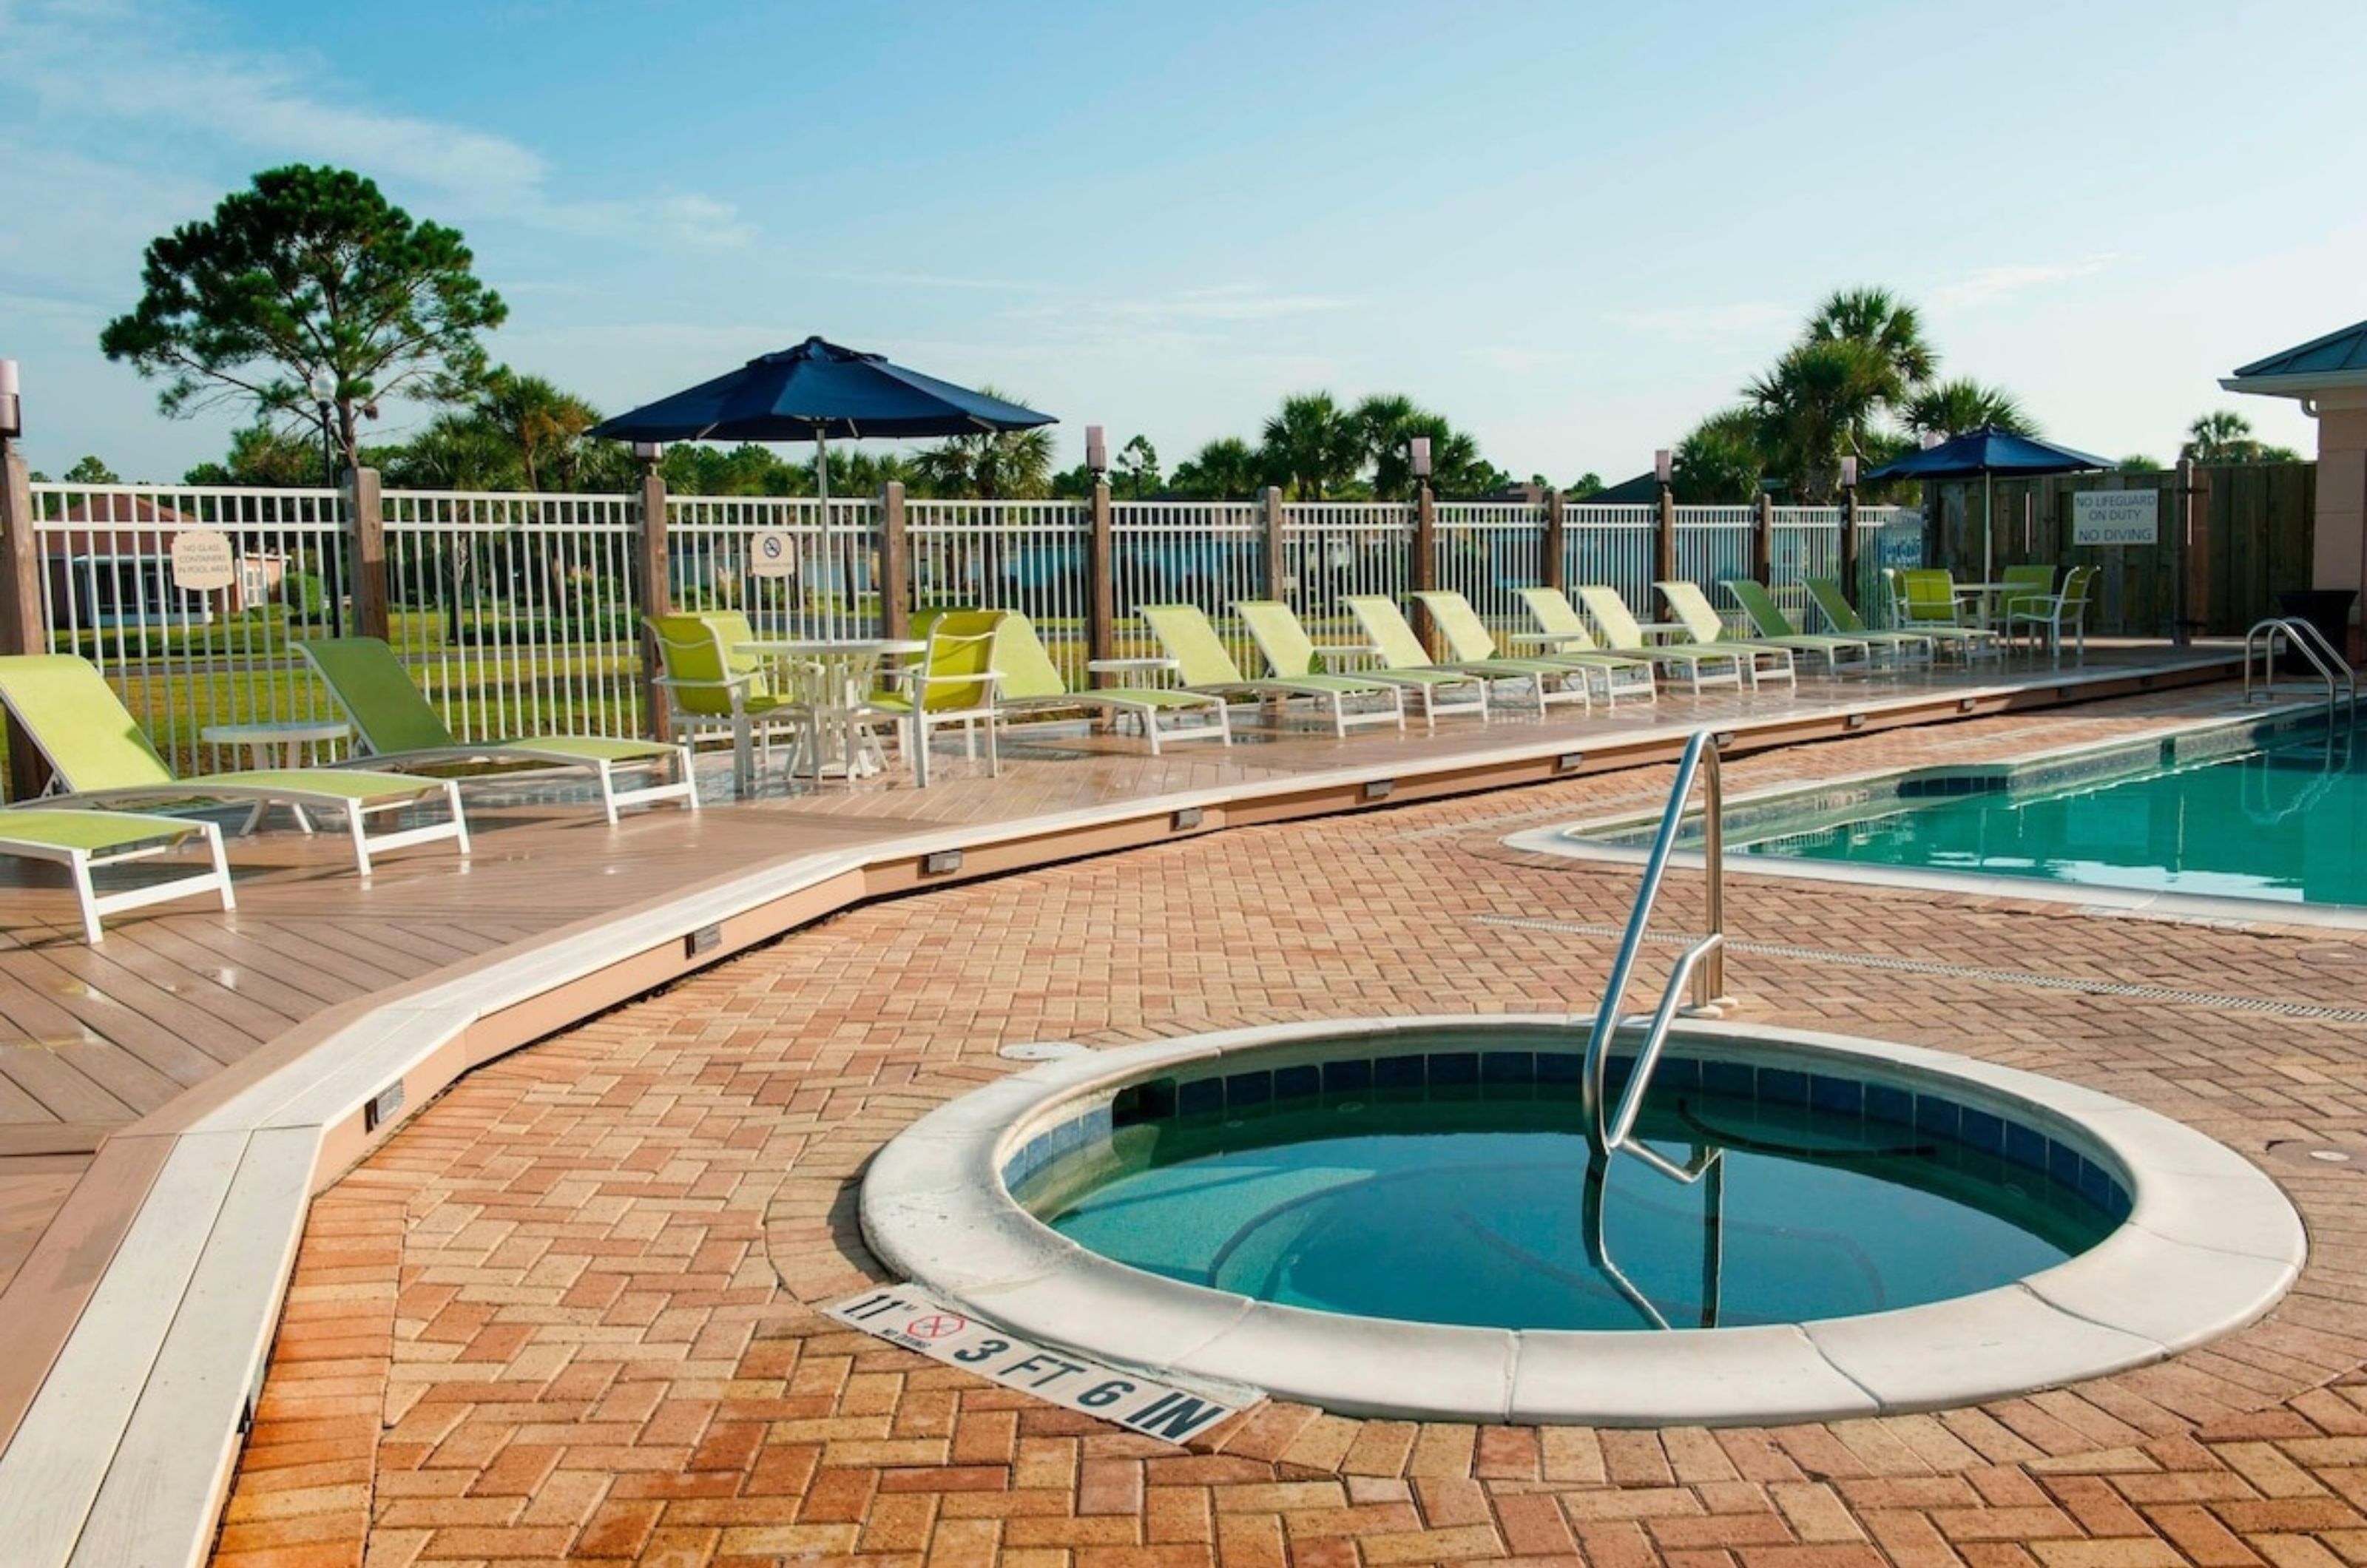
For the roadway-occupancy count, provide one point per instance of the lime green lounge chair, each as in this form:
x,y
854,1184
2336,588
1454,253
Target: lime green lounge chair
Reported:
x,y
2049,616
1203,664
712,688
1562,633
1901,647
1393,637
1701,621
1623,634
1032,684
1769,624
398,730
99,757
1468,636
2028,587
1282,639
85,841
958,684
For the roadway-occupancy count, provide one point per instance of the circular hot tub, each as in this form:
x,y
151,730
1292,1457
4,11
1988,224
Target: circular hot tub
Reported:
x,y
1401,1217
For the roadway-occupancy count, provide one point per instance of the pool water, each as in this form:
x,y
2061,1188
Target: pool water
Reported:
x,y
1462,1208
2287,823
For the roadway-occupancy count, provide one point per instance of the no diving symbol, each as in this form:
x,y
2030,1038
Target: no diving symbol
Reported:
x,y
771,546
937,1326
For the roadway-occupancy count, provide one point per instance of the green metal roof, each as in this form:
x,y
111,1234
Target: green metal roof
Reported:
x,y
2339,357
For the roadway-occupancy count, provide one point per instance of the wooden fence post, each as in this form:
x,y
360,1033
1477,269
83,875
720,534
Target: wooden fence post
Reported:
x,y
1762,541
1664,536
24,619
1850,567
1276,545
1101,581
1424,573
1553,570
366,525
895,564
657,597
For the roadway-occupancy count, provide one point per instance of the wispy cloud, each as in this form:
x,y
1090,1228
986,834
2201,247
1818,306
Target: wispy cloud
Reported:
x,y
279,105
1992,284
1513,360
1710,323
937,280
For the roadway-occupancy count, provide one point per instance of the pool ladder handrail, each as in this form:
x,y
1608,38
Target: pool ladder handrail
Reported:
x,y
2305,638
1609,1130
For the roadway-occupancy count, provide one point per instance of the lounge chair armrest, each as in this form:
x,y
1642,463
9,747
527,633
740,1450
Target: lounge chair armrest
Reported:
x,y
1120,666
725,683
1333,653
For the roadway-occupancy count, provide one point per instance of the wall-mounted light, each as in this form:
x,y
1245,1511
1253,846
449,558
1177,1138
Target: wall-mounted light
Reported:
x,y
1849,472
1379,789
1418,451
12,407
647,453
1664,466
1096,449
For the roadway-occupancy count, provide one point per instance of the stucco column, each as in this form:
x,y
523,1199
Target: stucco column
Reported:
x,y
2339,551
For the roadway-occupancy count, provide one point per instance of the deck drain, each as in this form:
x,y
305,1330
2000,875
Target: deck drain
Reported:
x,y
2314,1156
1965,972
1044,1051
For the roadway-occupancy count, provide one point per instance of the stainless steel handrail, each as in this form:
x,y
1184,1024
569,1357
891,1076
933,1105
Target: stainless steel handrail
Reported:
x,y
2305,638
1608,1130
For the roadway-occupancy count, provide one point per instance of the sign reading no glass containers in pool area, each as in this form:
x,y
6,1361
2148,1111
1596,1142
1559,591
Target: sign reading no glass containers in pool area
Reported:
x,y
2115,517
202,562
771,553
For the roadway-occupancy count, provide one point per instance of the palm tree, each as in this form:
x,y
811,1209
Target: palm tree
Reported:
x,y
1313,447
1952,408
998,465
1818,403
544,425
2225,436
1225,469
1719,461
1884,322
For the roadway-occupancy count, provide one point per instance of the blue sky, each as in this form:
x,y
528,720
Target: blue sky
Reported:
x,y
1574,227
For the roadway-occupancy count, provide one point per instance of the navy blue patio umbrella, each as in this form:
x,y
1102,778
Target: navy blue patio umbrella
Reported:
x,y
1985,454
814,392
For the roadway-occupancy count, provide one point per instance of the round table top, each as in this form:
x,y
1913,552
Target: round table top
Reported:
x,y
827,645
289,732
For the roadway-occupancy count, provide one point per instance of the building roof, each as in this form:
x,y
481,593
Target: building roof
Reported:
x,y
2338,359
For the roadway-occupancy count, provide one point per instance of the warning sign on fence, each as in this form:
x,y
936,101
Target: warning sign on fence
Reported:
x,y
202,562
2115,517
904,1314
771,552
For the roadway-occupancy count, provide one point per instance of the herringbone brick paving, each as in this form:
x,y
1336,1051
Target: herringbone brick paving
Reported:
x,y
560,1318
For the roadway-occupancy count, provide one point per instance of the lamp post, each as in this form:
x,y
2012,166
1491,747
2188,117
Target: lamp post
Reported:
x,y
1849,527
1096,453
324,388
12,404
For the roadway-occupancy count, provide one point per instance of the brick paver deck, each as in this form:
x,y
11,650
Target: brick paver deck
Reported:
x,y
564,1316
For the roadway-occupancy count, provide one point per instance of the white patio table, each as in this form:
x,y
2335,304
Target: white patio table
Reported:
x,y
835,675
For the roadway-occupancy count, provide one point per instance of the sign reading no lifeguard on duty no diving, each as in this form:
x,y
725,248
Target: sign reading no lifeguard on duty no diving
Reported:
x,y
904,1314
2116,517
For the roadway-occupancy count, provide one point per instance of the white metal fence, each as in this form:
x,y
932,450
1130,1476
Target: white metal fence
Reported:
x,y
518,611
518,614
187,662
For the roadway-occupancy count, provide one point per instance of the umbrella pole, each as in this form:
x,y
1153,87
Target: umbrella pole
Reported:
x,y
829,550
1988,528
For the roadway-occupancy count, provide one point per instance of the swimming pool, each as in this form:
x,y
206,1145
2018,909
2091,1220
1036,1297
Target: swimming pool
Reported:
x,y
2286,821
2218,821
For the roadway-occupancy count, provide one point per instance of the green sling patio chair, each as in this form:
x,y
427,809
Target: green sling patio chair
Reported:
x,y
1925,602
712,688
957,684
1839,652
1393,638
2051,616
87,841
1826,593
1701,622
1202,664
399,729
1468,638
1623,634
99,757
1031,682
2028,586
1282,639
1845,619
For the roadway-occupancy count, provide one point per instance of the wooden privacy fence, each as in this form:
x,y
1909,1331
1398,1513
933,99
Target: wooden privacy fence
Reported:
x,y
518,613
2250,541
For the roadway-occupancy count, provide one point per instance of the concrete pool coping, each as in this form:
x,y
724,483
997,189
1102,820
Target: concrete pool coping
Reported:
x,y
1582,842
2211,1244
